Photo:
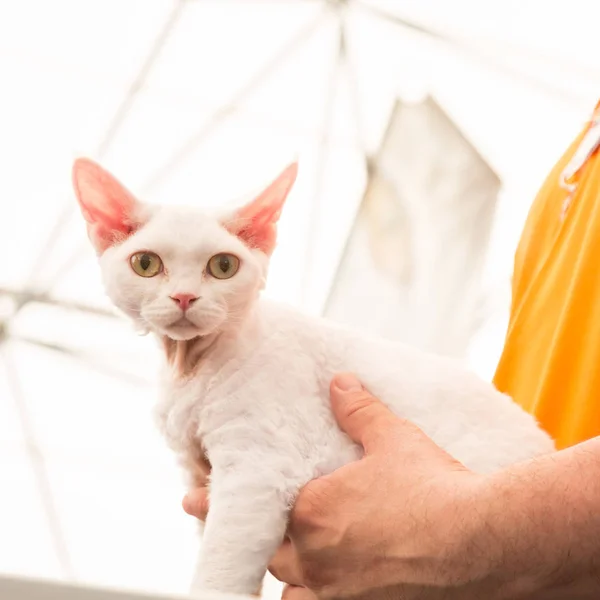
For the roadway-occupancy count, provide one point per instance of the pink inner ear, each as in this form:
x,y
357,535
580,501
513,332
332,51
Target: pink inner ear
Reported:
x,y
256,223
107,205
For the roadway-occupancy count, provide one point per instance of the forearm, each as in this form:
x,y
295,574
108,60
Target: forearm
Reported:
x,y
539,527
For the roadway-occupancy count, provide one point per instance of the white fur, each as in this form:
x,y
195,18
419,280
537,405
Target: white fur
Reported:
x,y
258,404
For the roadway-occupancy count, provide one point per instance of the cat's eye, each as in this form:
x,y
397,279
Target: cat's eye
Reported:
x,y
146,264
223,266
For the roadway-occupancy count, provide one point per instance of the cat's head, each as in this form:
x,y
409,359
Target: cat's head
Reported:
x,y
179,272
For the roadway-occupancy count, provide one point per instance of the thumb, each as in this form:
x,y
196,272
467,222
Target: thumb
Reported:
x,y
363,417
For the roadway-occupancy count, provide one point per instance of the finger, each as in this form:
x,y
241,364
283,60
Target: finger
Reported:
x,y
195,503
285,565
296,592
362,416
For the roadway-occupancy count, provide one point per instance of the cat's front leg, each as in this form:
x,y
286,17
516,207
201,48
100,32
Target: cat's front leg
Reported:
x,y
245,525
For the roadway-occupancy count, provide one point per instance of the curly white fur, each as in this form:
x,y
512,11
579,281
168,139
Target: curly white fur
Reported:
x,y
249,380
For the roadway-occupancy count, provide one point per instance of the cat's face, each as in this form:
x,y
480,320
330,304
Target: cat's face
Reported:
x,y
179,272
183,275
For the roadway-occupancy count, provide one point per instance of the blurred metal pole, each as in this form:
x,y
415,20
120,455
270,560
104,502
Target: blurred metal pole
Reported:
x,y
369,161
38,465
114,125
313,218
218,117
499,46
477,52
24,296
226,110
87,359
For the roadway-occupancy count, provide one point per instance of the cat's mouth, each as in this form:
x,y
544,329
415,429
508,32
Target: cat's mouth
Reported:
x,y
183,322
184,326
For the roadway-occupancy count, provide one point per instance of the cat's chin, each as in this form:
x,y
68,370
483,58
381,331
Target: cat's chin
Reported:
x,y
184,330
182,333
177,337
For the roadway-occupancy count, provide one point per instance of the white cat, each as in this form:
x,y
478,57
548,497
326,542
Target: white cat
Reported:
x,y
248,384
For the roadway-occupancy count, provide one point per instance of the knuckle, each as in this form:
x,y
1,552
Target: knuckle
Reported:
x,y
289,593
360,402
275,569
292,592
315,578
312,505
323,581
277,565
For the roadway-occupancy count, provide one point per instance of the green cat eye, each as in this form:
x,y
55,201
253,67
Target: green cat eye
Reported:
x,y
223,266
146,264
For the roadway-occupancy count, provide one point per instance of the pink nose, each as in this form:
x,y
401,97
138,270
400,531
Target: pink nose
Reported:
x,y
184,300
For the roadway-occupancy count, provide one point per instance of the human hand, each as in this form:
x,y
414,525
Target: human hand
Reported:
x,y
392,523
394,518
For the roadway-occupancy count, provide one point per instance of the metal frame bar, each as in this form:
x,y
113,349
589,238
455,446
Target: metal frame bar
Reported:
x,y
328,107
22,297
226,110
115,124
475,52
219,117
370,162
85,358
38,464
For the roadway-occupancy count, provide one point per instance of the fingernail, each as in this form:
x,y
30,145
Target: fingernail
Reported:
x,y
186,504
346,382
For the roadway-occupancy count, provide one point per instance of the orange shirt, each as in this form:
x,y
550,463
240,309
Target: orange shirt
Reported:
x,y
551,359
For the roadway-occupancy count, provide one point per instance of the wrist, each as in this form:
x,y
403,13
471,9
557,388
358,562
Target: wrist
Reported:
x,y
528,531
478,543
509,537
444,550
468,558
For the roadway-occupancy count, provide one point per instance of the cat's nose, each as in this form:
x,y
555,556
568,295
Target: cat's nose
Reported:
x,y
184,300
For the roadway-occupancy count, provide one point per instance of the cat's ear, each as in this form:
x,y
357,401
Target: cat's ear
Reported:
x,y
111,211
256,222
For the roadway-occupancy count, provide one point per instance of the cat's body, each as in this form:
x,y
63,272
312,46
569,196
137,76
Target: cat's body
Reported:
x,y
259,405
248,383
